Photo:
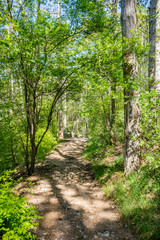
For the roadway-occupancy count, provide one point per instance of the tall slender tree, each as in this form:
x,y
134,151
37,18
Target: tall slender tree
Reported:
x,y
154,40
60,106
154,68
113,85
131,105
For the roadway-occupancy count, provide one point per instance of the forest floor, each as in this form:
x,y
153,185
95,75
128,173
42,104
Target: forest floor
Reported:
x,y
70,200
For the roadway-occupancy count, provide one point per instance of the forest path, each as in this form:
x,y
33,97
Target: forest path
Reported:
x,y
72,204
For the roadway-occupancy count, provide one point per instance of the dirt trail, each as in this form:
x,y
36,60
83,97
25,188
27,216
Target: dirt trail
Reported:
x,y
71,202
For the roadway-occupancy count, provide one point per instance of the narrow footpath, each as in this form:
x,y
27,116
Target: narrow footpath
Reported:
x,y
72,204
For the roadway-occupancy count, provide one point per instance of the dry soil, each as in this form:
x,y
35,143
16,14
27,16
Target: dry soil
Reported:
x,y
70,200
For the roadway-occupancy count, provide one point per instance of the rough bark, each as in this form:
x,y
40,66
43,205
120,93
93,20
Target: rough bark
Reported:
x,y
131,106
154,40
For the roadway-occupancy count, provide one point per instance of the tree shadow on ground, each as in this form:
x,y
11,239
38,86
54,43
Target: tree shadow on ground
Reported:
x,y
70,200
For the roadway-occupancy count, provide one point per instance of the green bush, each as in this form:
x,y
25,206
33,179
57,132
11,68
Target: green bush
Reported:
x,y
17,216
10,146
96,146
139,201
47,144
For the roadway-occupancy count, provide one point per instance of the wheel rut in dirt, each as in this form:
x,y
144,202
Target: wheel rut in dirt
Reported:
x,y
72,204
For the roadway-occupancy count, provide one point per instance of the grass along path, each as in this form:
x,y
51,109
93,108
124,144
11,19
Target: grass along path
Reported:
x,y
136,196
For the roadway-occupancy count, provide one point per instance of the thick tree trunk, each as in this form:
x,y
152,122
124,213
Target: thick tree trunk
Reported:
x,y
131,105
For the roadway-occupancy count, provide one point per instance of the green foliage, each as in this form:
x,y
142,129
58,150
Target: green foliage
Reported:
x,y
137,196
11,148
17,216
150,124
89,14
48,143
96,145
104,172
139,202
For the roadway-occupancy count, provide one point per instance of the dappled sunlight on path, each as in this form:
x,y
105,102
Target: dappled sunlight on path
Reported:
x,y
70,200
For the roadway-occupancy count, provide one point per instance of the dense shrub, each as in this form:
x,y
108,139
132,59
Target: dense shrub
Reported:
x,y
17,216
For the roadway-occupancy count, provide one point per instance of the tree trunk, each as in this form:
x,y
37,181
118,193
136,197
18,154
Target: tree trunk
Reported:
x,y
154,40
26,150
86,127
157,70
113,104
113,89
33,157
64,114
154,64
113,113
60,113
77,128
60,120
131,105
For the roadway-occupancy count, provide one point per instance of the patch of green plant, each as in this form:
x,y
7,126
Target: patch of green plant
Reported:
x,y
96,146
17,216
104,172
138,199
47,144
9,146
150,120
137,196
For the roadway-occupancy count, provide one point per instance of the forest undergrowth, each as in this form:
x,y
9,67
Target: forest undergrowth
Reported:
x,y
18,218
137,195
